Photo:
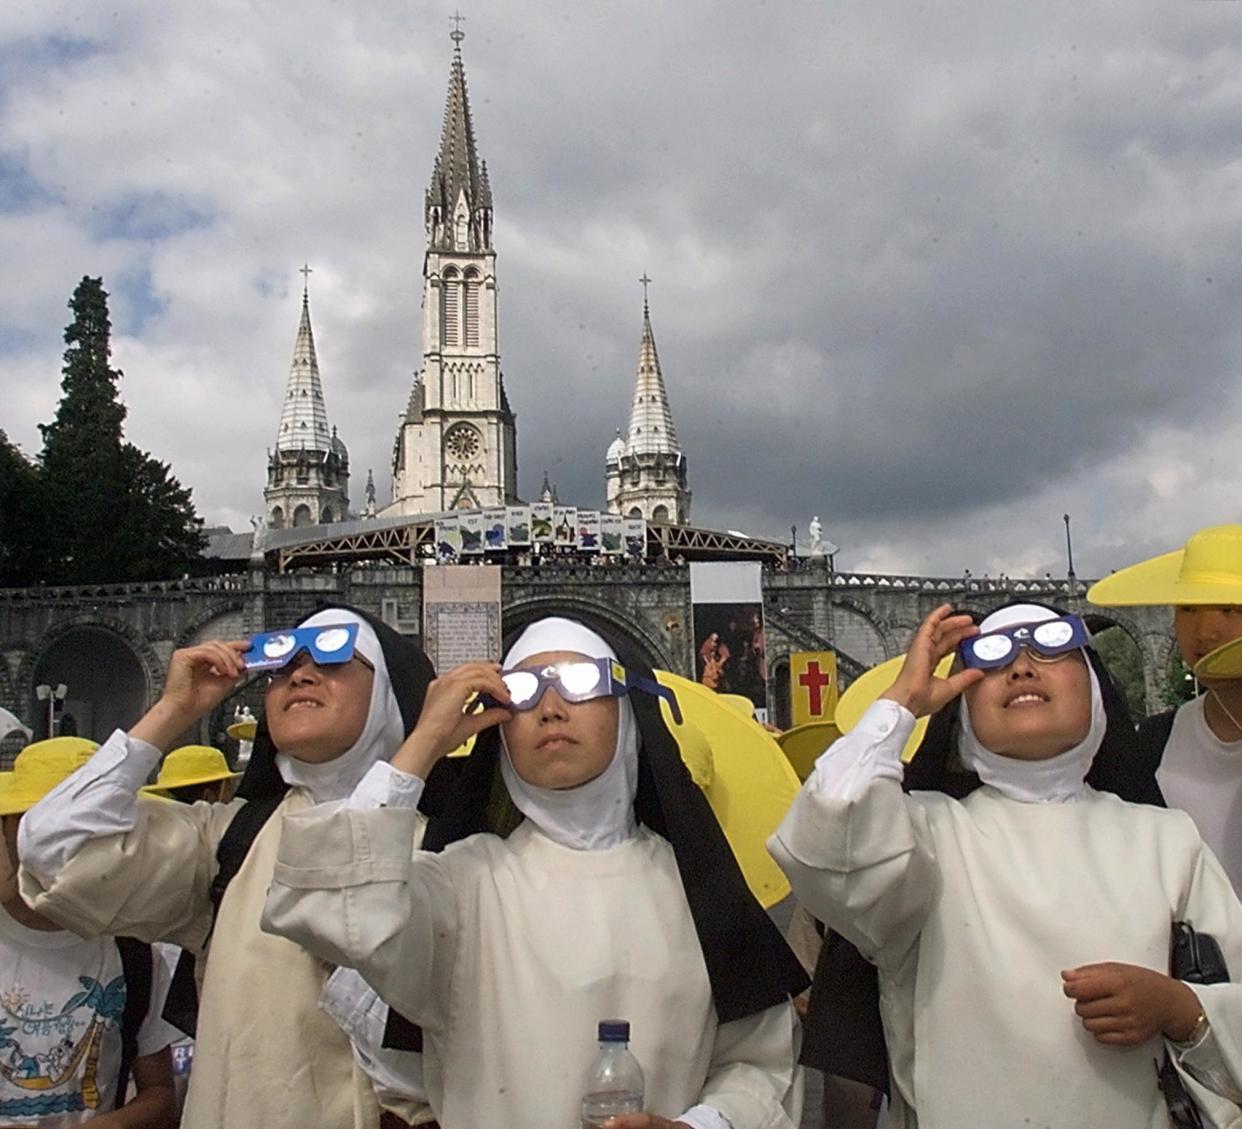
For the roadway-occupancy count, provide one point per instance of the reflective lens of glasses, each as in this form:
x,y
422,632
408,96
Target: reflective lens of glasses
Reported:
x,y
1055,633
331,639
278,646
523,685
992,648
578,678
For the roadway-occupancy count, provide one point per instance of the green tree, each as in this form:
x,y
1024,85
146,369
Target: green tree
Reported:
x,y
22,531
1180,685
117,514
1124,660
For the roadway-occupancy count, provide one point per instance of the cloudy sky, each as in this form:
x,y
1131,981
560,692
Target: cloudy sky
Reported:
x,y
937,273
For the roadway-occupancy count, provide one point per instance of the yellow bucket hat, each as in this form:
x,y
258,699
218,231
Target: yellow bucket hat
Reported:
x,y
1223,663
1207,570
803,744
39,768
191,764
869,685
742,771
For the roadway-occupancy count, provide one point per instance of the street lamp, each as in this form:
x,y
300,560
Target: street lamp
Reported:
x,y
1069,552
55,698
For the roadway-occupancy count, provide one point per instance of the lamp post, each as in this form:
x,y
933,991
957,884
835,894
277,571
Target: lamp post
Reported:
x,y
55,698
1069,553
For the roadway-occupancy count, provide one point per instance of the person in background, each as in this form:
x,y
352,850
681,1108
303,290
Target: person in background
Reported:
x,y
82,1015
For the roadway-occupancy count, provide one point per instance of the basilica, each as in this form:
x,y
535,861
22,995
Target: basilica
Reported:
x,y
456,445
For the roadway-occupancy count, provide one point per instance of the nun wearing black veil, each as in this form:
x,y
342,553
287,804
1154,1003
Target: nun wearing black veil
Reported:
x,y
1019,919
576,874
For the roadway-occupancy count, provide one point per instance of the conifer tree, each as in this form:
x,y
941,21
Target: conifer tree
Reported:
x,y
116,513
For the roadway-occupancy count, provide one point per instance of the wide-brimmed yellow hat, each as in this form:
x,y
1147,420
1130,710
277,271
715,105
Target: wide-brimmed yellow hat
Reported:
x,y
869,685
191,764
745,776
1223,663
243,730
1207,570
803,744
39,768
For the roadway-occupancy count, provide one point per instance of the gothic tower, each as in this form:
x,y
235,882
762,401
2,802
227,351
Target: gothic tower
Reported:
x,y
308,472
645,470
457,445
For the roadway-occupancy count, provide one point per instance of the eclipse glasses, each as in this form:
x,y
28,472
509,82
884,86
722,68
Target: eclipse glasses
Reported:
x,y
578,681
328,644
1046,642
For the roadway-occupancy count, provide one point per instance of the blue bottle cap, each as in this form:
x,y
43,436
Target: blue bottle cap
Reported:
x,y
614,1031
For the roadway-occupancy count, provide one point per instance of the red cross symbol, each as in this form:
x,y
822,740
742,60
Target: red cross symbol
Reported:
x,y
816,682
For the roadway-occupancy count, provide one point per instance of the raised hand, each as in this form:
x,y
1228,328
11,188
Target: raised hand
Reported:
x,y
1124,1005
917,686
199,679
445,723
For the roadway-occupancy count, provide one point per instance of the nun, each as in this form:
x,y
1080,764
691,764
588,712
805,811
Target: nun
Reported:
x,y
1019,920
576,874
98,858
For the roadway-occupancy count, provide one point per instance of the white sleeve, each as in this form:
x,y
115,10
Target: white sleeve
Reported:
x,y
386,787
858,852
156,1033
705,1117
100,799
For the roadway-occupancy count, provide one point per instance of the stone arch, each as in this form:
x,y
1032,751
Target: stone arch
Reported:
x,y
8,693
326,517
277,520
516,616
302,516
660,515
865,651
226,621
116,672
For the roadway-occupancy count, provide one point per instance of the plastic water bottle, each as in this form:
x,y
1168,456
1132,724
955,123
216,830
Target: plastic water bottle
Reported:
x,y
615,1082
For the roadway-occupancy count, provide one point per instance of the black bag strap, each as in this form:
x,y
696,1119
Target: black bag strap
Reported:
x,y
181,1007
401,1034
136,964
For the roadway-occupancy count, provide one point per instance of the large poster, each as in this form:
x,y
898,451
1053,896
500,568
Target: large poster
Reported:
x,y
565,526
611,532
588,530
541,523
730,652
471,524
518,518
448,539
495,529
635,538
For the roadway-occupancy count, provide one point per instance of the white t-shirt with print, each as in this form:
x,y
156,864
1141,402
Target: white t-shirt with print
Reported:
x,y
61,1001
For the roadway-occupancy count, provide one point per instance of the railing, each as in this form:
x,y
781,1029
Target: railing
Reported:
x,y
230,582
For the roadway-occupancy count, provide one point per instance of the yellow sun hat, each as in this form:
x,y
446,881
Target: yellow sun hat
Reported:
x,y
742,771
803,744
1206,570
191,764
243,730
869,685
39,768
1223,663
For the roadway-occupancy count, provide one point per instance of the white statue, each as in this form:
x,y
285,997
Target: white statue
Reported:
x,y
817,537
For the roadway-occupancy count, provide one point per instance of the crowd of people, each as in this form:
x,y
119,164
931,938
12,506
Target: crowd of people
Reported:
x,y
1033,920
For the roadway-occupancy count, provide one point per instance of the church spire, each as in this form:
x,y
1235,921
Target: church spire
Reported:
x,y
651,429
458,208
304,417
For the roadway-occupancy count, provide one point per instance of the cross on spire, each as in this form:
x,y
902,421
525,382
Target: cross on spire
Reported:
x,y
457,35
646,282
305,271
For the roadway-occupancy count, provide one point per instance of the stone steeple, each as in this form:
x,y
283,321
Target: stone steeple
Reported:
x,y
644,469
457,442
458,208
308,472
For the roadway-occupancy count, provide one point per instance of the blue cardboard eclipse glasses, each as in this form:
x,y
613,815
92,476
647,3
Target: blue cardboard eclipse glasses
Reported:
x,y
578,681
327,644
1046,642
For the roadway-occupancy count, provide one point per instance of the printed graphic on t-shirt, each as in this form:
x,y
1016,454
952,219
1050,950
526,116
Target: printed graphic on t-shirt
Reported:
x,y
49,1050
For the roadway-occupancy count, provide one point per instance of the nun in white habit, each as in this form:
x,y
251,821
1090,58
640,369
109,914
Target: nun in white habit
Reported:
x,y
1021,934
577,874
